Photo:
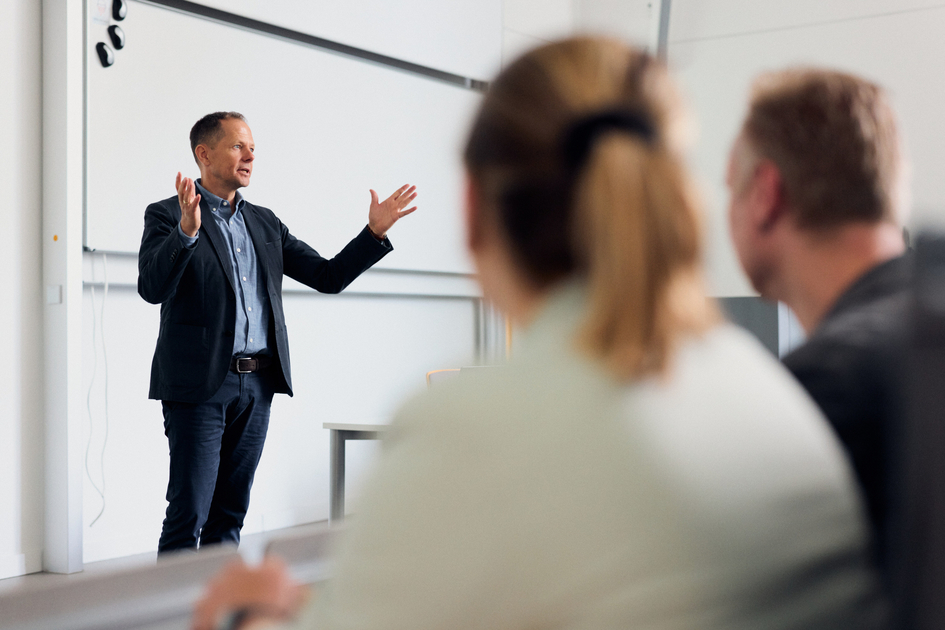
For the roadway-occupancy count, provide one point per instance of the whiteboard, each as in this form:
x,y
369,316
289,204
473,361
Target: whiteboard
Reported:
x,y
459,36
327,129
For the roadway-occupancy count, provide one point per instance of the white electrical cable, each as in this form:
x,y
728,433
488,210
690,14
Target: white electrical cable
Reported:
x,y
98,323
88,398
105,365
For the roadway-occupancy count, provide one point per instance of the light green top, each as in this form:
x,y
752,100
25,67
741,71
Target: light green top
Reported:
x,y
543,494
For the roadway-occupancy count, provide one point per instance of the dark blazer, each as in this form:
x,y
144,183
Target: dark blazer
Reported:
x,y
198,300
851,366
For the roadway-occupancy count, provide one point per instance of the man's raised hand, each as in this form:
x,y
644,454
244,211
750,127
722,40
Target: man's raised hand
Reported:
x,y
189,200
385,214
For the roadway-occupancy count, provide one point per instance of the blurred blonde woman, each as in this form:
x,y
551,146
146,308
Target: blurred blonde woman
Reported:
x,y
638,463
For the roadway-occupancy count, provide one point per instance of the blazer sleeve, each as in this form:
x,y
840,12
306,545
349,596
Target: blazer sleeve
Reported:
x,y
162,257
301,262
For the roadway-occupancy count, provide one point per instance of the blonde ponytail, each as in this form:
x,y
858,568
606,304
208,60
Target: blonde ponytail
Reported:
x,y
639,237
614,206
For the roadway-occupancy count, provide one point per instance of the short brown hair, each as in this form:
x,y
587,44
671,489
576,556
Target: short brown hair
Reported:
x,y
208,129
833,137
624,218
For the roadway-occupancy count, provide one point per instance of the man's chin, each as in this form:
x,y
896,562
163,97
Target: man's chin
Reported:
x,y
763,284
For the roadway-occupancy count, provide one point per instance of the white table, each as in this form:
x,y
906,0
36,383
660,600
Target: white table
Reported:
x,y
340,433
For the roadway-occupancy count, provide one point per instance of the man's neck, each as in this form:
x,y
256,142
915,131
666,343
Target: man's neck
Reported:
x,y
224,192
822,267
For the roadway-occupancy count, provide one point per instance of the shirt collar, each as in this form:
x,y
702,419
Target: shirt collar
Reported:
x,y
216,202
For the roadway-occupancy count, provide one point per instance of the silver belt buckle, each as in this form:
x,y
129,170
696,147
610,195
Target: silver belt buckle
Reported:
x,y
240,370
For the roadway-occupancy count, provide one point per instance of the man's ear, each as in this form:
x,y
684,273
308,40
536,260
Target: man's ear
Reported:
x,y
202,154
767,196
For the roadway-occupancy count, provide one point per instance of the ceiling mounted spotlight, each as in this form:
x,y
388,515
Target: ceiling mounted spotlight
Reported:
x,y
105,54
117,36
119,10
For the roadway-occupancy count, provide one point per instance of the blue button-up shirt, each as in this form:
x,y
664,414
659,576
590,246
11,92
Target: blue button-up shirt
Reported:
x,y
250,335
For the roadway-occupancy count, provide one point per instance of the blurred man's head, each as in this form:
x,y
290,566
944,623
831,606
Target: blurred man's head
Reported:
x,y
818,155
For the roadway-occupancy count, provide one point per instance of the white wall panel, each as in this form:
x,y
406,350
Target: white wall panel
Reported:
x,y
704,19
462,37
629,20
21,385
514,45
902,51
135,452
544,19
354,358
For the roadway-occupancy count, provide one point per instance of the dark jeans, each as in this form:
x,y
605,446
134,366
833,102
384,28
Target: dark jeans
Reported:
x,y
215,447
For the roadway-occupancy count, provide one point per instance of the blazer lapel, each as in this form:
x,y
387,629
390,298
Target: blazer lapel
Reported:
x,y
208,225
259,243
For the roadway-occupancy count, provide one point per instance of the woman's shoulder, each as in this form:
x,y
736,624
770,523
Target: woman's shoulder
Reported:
x,y
731,412
523,395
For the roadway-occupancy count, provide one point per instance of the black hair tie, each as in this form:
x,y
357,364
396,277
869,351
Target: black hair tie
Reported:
x,y
583,133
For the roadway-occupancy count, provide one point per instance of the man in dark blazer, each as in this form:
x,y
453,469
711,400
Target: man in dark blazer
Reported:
x,y
816,218
214,262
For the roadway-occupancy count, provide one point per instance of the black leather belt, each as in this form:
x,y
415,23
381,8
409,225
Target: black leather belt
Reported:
x,y
245,365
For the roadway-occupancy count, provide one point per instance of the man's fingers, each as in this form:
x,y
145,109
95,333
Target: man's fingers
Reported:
x,y
207,610
185,189
406,212
196,203
204,616
374,200
177,182
406,199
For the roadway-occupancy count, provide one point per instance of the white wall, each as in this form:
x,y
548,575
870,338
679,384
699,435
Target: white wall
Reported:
x,y
21,387
718,46
629,20
457,37
530,23
354,357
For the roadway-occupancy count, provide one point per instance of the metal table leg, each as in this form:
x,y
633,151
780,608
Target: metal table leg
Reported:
x,y
337,488
339,434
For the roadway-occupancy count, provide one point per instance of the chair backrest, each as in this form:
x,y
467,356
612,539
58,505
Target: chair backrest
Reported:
x,y
435,377
146,596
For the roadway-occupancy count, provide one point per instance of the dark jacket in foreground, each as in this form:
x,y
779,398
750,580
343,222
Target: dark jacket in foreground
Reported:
x,y
851,366
198,299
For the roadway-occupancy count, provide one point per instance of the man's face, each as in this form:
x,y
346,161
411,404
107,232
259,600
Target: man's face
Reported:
x,y
231,158
749,244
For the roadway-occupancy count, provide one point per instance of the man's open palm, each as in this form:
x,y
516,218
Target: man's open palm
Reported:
x,y
383,215
189,200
